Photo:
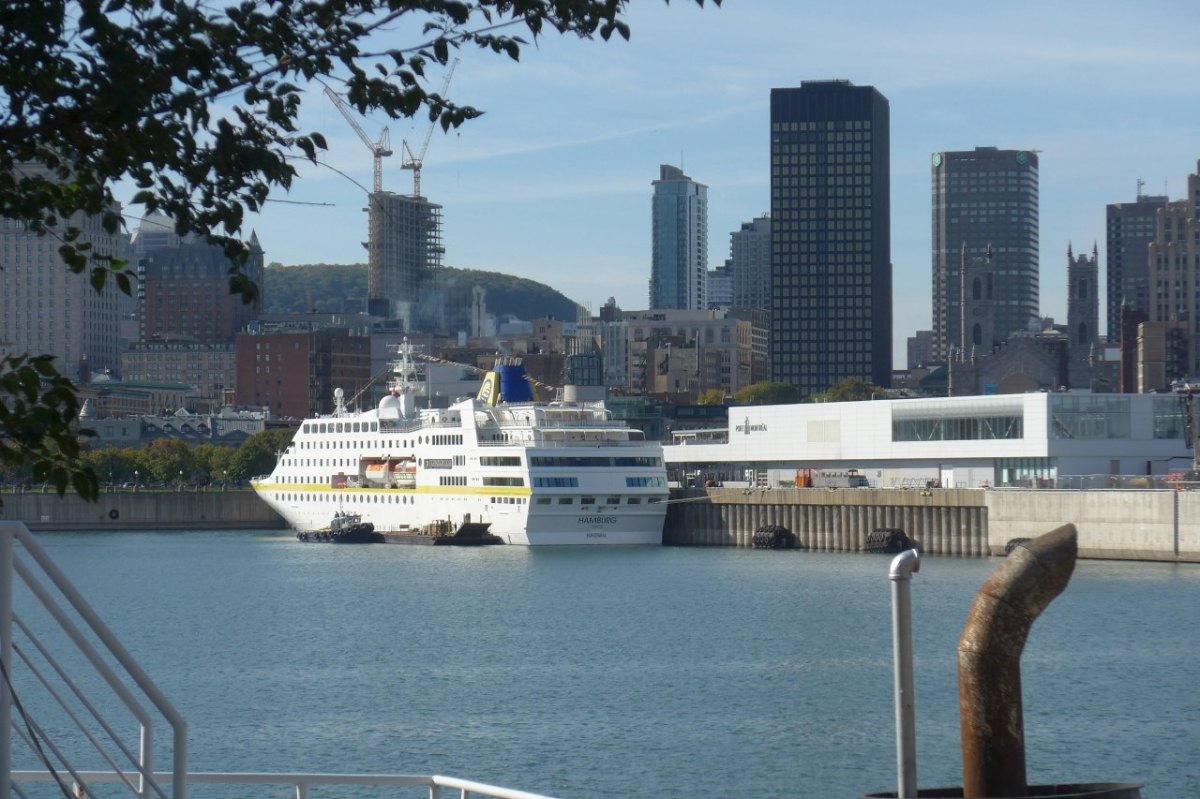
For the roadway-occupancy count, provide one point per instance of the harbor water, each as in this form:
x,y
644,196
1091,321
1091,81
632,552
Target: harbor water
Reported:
x,y
628,672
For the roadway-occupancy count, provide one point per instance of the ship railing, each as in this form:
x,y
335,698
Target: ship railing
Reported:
x,y
392,426
557,424
565,444
64,647
301,785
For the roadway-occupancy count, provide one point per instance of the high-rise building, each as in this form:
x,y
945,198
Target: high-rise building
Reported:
x,y
1129,231
831,271
183,286
404,242
45,308
1174,280
679,248
719,285
750,254
984,199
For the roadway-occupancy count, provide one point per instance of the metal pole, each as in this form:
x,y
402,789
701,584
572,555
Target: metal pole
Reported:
x,y
903,566
7,575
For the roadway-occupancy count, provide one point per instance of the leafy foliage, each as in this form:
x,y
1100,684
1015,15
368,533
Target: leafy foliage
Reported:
x,y
290,289
767,393
850,389
257,454
713,396
197,105
36,421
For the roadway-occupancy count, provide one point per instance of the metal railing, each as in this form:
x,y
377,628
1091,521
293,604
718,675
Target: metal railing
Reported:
x,y
48,587
301,785
89,729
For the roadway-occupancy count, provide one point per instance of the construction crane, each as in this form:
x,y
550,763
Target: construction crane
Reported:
x,y
379,149
413,162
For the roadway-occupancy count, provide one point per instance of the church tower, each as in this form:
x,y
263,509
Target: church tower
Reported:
x,y
1083,302
1083,314
978,292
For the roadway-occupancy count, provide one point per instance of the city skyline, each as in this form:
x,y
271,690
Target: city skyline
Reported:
x,y
551,183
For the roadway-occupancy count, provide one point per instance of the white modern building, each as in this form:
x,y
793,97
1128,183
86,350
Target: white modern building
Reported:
x,y
959,442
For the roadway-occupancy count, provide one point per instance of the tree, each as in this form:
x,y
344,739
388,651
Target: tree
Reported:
x,y
850,389
257,453
713,396
767,393
198,107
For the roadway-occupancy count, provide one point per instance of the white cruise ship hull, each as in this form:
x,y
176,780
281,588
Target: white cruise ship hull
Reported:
x,y
308,508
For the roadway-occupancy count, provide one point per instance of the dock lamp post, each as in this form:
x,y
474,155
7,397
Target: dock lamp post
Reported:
x,y
136,480
1187,391
181,479
900,573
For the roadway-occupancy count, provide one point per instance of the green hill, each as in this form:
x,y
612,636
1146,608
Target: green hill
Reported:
x,y
291,289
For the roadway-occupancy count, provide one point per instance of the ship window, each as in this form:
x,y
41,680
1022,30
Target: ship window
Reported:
x,y
566,500
613,501
587,500
634,501
357,428
543,500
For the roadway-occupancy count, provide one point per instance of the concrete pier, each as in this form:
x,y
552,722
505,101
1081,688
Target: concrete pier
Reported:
x,y
142,510
1123,525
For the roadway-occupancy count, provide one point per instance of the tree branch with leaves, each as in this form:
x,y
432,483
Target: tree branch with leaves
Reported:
x,y
197,105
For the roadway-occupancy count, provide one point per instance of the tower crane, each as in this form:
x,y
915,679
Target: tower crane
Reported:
x,y
379,149
413,162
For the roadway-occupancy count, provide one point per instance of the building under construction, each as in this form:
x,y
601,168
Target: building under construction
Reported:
x,y
404,244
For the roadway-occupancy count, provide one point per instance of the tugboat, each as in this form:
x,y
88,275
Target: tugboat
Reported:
x,y
346,528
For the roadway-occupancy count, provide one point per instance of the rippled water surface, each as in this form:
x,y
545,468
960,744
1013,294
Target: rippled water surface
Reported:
x,y
629,672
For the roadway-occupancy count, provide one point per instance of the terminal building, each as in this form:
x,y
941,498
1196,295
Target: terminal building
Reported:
x,y
1036,439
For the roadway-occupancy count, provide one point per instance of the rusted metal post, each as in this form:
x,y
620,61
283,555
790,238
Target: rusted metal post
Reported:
x,y
989,661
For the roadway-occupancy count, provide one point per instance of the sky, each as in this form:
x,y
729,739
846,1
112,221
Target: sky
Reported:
x,y
553,182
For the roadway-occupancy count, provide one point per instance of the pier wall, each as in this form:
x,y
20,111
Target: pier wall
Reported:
x,y
1126,525
142,510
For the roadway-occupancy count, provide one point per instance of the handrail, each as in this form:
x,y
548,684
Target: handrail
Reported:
x,y
10,570
303,782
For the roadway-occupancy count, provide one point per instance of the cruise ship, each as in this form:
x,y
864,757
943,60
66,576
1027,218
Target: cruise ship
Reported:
x,y
534,473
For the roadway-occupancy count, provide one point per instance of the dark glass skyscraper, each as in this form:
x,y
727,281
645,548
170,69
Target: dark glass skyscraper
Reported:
x,y
984,200
1129,230
831,270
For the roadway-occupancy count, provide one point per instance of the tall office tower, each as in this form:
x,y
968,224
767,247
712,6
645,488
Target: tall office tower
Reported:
x,y
679,255
45,308
831,271
1174,278
183,286
984,198
750,252
1129,231
404,242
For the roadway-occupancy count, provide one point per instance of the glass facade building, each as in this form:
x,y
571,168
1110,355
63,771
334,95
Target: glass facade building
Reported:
x,y
831,272
984,200
679,256
1129,230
